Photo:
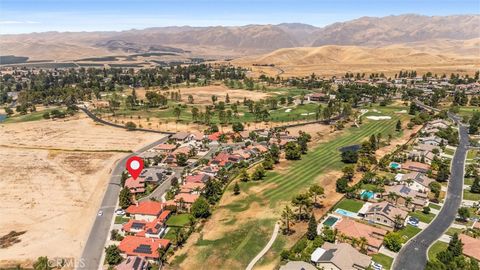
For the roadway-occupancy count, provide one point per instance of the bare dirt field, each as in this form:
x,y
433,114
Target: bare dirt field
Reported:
x,y
53,177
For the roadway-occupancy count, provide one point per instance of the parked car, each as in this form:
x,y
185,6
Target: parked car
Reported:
x,y
120,212
100,213
413,221
376,266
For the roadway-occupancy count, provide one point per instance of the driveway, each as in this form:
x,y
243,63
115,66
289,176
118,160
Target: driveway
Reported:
x,y
413,255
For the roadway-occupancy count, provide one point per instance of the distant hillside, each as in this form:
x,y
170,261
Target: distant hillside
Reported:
x,y
226,42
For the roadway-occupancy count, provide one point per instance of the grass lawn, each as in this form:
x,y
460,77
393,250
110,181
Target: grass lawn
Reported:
x,y
468,181
229,250
452,231
408,232
350,205
434,206
169,235
121,220
34,116
449,151
179,220
471,154
383,259
435,249
467,195
422,216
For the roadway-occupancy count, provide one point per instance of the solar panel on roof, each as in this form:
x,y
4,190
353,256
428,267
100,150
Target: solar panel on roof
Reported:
x,y
143,249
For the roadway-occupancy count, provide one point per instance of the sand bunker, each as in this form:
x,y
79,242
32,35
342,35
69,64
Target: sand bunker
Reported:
x,y
379,117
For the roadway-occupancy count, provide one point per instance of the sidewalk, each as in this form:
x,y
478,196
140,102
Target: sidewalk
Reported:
x,y
387,252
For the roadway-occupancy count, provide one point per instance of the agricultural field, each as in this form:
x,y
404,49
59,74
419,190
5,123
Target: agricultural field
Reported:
x,y
242,225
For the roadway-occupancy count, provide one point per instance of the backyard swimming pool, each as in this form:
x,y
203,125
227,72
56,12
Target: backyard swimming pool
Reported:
x,y
395,165
330,221
346,213
367,194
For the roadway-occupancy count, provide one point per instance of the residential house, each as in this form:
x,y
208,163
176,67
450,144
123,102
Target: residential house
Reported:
x,y
419,181
192,187
135,185
150,229
156,175
432,140
185,200
317,97
438,123
353,229
403,192
133,263
385,213
197,178
415,166
146,210
340,256
471,246
165,148
225,159
181,137
144,247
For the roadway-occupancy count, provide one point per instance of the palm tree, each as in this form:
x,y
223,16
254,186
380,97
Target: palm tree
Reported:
x,y
354,242
161,256
398,221
392,196
363,244
409,182
287,219
408,201
302,202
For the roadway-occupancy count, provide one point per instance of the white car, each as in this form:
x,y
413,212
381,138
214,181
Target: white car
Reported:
x,y
376,266
100,213
120,212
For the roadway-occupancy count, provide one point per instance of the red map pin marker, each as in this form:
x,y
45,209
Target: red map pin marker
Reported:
x,y
134,166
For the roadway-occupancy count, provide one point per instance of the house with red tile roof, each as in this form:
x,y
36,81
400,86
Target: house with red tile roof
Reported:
x,y
471,246
165,148
144,247
214,136
353,229
416,166
185,200
135,185
192,187
225,159
258,147
197,178
150,229
146,210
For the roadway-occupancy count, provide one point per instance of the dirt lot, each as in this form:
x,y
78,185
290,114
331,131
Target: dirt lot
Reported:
x,y
51,191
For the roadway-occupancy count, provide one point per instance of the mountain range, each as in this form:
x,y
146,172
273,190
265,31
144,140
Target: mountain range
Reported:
x,y
234,41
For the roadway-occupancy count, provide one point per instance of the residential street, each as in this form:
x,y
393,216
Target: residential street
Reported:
x,y
413,255
94,246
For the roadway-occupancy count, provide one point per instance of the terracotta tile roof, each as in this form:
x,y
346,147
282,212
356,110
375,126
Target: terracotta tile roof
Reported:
x,y
165,147
415,166
192,186
198,178
471,246
164,215
351,228
141,246
133,263
184,149
134,183
214,136
150,208
187,197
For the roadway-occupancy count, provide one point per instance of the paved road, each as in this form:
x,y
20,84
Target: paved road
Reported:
x,y
413,255
265,249
93,249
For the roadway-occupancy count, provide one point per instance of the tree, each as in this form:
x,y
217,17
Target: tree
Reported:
x,y
200,208
312,228
275,153
162,258
124,199
244,177
463,213
287,219
426,210
443,172
130,126
303,203
398,127
393,241
316,191
259,173
195,114
349,156
475,188
292,151
328,234
177,111
237,127
190,99
112,255
42,263
436,188
398,221
227,99
181,159
342,185
236,189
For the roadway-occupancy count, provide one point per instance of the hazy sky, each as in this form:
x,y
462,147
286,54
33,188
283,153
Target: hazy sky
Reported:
x,y
25,16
